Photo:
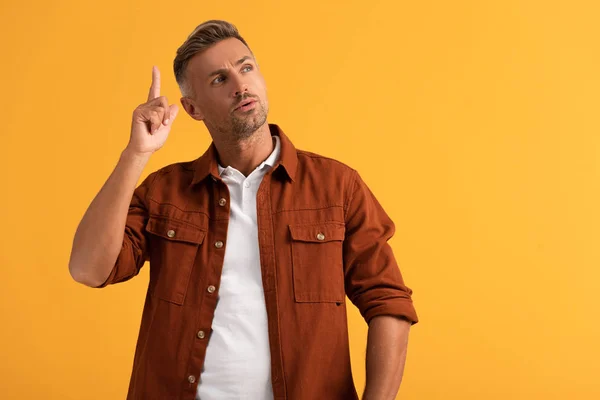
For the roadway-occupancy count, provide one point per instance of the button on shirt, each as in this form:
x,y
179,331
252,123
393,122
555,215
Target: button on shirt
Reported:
x,y
238,361
322,237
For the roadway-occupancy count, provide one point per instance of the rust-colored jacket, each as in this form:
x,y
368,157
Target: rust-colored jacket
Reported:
x,y
322,235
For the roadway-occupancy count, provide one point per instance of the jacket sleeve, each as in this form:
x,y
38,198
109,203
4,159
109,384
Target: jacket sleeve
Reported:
x,y
373,281
134,252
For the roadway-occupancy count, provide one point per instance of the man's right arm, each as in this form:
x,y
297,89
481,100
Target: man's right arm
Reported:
x,y
100,235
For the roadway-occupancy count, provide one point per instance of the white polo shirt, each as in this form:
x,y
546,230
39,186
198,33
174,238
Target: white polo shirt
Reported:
x,y
238,360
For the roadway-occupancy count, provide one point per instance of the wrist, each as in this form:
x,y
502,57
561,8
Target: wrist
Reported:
x,y
134,158
371,393
131,154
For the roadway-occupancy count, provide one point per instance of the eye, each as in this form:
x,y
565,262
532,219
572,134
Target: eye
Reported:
x,y
248,67
219,79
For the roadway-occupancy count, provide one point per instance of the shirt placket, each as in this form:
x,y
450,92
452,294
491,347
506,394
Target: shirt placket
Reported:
x,y
267,262
210,279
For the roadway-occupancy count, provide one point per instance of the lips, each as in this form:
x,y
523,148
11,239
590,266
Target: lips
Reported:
x,y
245,103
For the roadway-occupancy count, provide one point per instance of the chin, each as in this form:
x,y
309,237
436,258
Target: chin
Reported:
x,y
244,128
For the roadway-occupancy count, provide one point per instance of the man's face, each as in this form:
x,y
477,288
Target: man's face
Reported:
x,y
223,78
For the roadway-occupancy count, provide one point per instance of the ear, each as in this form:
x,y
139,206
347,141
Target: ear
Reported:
x,y
192,110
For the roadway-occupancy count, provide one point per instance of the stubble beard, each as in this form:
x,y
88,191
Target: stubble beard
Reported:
x,y
243,126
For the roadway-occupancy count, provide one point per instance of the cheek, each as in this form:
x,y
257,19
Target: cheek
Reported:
x,y
213,107
263,85
261,90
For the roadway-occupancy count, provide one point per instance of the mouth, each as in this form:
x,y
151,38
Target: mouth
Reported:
x,y
245,105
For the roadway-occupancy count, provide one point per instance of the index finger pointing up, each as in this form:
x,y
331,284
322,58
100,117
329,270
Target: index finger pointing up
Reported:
x,y
155,87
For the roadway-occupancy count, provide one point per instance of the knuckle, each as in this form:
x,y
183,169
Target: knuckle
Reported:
x,y
138,113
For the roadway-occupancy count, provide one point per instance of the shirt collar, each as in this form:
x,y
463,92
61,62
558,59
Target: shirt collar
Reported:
x,y
284,155
269,162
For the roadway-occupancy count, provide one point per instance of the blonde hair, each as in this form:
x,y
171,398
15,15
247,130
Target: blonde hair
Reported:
x,y
205,35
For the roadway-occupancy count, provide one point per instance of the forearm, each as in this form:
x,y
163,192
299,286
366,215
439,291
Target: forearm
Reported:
x,y
99,236
386,355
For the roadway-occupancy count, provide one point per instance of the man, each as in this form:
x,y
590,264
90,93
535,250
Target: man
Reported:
x,y
252,248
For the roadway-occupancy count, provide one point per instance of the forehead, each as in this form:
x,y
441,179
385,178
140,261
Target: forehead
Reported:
x,y
223,54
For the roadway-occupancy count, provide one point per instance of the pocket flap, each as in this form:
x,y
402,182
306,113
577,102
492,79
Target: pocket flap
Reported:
x,y
319,233
172,229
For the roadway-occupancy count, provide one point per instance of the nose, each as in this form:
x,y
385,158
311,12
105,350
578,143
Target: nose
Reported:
x,y
241,89
239,86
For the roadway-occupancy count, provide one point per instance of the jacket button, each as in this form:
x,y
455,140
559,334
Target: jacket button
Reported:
x,y
222,202
191,379
211,289
320,236
171,233
200,334
218,244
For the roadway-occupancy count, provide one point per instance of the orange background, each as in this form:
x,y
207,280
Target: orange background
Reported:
x,y
475,123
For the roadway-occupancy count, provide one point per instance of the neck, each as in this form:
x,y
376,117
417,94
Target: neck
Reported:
x,y
246,154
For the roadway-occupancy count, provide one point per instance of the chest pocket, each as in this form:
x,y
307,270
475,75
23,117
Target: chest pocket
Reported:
x,y
317,262
173,248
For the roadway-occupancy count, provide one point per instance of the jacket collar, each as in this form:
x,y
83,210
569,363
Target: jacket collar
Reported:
x,y
207,164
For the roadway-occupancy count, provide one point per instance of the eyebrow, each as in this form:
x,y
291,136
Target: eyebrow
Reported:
x,y
223,70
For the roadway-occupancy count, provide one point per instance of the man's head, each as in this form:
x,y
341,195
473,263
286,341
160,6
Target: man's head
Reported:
x,y
216,72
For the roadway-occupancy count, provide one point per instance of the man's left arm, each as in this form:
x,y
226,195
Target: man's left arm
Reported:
x,y
375,285
386,356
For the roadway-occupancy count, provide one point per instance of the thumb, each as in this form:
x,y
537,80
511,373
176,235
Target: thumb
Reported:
x,y
174,110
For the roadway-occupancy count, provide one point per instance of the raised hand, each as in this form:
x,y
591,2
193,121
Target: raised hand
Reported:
x,y
152,121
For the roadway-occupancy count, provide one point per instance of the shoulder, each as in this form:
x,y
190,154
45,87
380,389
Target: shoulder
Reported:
x,y
326,176
170,174
178,168
319,163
